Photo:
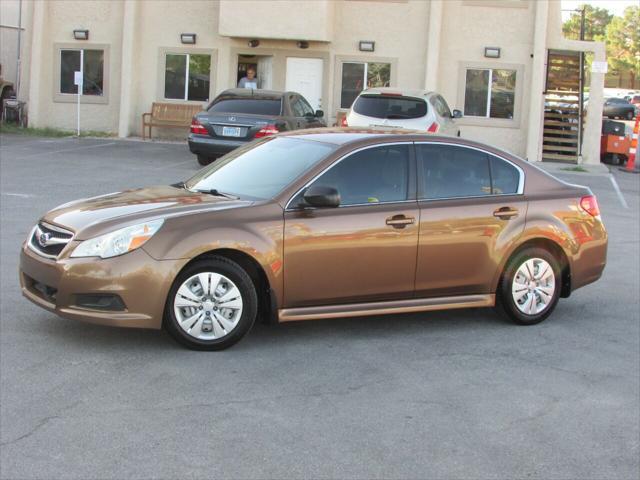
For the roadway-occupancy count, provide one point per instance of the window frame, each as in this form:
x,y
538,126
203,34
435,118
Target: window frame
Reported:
x,y
186,77
489,92
514,122
162,66
420,183
58,96
411,186
340,60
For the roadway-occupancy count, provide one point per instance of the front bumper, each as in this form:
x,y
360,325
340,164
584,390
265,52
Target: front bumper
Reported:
x,y
201,145
141,282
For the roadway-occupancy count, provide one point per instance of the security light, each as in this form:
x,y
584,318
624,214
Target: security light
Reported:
x,y
81,34
189,38
303,44
254,43
492,52
367,46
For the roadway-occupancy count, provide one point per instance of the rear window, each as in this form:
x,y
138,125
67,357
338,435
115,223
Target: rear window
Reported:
x,y
256,106
380,106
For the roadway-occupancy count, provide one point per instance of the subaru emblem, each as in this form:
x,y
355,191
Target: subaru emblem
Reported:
x,y
43,239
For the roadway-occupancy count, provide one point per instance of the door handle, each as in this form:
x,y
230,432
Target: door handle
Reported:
x,y
400,221
506,213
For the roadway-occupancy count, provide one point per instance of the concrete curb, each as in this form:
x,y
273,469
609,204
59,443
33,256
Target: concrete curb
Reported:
x,y
567,168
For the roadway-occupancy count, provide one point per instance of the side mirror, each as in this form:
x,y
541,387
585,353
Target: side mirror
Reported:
x,y
322,197
319,113
456,114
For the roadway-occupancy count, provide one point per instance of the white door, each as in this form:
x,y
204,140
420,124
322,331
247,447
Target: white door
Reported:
x,y
265,68
304,75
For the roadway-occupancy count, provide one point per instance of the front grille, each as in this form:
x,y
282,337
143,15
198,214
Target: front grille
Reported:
x,y
48,240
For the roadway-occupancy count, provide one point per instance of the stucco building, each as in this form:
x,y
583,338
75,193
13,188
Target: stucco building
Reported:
x,y
488,58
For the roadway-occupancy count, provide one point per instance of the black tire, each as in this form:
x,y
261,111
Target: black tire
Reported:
x,y
504,298
205,160
237,275
629,115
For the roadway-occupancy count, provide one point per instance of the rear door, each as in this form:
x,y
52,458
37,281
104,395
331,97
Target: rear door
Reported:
x,y
471,209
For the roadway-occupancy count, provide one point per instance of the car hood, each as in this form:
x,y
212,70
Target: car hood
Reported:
x,y
93,216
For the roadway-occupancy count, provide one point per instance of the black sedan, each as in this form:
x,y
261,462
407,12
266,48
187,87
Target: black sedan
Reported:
x,y
618,107
240,115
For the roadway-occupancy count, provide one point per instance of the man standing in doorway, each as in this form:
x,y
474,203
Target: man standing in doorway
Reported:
x,y
250,81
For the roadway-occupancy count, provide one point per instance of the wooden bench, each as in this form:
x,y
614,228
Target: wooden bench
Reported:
x,y
169,115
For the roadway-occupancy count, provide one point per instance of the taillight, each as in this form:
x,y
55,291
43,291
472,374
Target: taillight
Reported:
x,y
198,128
343,122
590,205
267,130
433,128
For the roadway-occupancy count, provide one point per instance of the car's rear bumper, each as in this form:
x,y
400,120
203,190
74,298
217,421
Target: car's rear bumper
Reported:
x,y
139,281
201,145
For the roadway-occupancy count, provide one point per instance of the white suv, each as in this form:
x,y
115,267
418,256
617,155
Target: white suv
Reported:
x,y
413,109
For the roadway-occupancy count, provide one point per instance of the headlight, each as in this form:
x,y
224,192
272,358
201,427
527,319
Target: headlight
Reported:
x,y
118,242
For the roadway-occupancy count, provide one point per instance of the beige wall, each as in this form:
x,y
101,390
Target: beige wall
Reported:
x,y
9,13
399,28
468,27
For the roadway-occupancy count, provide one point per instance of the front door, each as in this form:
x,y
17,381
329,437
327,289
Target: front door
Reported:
x,y
304,75
471,208
363,250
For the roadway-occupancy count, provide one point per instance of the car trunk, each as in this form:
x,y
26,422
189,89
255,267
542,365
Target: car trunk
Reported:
x,y
235,127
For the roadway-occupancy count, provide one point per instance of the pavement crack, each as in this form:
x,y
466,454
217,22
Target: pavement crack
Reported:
x,y
40,424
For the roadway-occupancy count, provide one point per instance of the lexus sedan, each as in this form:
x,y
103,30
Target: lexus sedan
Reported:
x,y
320,224
240,115
618,107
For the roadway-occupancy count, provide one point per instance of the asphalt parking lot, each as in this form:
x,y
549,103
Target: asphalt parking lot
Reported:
x,y
458,394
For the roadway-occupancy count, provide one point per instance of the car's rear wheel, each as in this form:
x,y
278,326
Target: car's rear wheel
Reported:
x,y
205,159
212,304
530,286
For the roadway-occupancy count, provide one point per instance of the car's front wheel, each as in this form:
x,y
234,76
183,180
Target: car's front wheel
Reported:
x,y
212,304
530,286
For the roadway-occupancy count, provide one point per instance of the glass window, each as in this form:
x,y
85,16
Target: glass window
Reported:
x,y
257,106
187,76
90,63
306,108
296,106
440,106
374,175
450,171
262,170
489,93
505,178
383,106
358,76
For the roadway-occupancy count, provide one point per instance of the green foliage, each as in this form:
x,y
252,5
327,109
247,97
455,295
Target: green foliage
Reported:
x,y
596,22
623,42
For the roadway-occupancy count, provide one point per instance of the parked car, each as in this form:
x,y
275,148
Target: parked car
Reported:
x,y
618,108
413,109
240,115
320,224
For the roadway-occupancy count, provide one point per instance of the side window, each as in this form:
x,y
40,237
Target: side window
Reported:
x,y
296,106
440,106
505,177
449,171
374,175
306,108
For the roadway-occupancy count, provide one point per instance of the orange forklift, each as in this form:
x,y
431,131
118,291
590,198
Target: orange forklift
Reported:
x,y
614,144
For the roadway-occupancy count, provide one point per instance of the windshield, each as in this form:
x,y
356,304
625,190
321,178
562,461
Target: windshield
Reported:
x,y
260,171
379,106
256,106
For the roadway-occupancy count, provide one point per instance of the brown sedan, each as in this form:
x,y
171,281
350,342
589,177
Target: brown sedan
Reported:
x,y
320,224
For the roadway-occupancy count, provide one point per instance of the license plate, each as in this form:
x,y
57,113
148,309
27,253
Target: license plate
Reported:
x,y
231,131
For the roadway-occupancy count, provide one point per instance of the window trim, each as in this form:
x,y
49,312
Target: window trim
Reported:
x,y
514,122
420,192
162,66
411,188
58,96
340,60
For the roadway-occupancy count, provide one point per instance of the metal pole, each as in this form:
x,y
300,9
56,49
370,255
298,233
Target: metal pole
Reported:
x,y
581,84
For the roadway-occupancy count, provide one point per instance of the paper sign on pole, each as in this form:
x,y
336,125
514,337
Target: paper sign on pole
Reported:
x,y
77,80
599,67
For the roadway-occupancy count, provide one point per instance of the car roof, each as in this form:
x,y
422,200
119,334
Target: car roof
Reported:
x,y
407,92
252,93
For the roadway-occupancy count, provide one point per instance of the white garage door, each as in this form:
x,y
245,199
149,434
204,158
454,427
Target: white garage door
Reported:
x,y
304,75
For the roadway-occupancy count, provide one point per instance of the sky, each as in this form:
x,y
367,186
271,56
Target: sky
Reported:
x,y
614,6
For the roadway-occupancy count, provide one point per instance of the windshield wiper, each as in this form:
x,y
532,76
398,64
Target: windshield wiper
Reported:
x,y
218,193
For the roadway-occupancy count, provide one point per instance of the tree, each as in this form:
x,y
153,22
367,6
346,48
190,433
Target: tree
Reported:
x,y
623,43
596,21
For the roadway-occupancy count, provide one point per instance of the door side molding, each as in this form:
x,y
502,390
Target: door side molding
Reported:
x,y
388,307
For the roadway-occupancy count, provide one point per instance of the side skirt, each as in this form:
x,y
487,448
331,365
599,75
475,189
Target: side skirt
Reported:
x,y
389,307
